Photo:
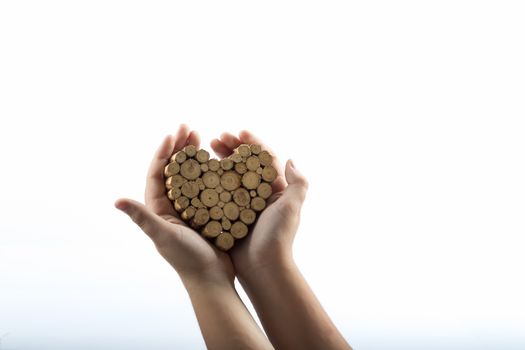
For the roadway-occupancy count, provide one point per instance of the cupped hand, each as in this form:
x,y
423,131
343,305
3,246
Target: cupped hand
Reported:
x,y
186,250
270,242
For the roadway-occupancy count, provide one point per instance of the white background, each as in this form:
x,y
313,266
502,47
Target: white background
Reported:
x,y
406,117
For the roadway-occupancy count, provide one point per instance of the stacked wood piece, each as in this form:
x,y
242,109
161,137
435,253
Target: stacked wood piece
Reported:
x,y
221,199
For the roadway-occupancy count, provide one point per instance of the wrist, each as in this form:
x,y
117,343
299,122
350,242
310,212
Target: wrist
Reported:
x,y
270,266
194,283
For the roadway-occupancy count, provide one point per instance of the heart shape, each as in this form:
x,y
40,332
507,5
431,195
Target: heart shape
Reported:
x,y
221,199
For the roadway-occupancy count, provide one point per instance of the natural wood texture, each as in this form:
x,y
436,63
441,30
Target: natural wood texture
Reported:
x,y
253,163
212,229
190,169
201,217
244,150
220,198
171,169
257,203
264,190
224,241
251,180
216,213
231,211
190,150
209,197
241,197
190,189
239,230
211,179
181,203
226,164
188,213
175,181
202,156
247,216
269,173
174,193
230,180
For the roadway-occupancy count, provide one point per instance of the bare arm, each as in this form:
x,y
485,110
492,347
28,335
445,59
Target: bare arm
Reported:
x,y
206,272
290,313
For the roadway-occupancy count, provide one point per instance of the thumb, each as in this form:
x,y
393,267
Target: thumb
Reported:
x,y
297,184
148,221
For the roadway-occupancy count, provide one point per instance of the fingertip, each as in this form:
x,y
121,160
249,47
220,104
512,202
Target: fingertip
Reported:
x,y
121,204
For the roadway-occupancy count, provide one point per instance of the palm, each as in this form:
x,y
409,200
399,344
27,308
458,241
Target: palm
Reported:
x,y
182,246
275,226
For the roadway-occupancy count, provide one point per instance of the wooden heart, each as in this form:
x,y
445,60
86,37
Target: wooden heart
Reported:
x,y
220,199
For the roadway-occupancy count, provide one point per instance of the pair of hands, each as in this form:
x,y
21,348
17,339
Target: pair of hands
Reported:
x,y
269,245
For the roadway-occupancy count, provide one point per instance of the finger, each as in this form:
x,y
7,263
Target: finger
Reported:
x,y
194,139
297,184
220,148
231,141
280,182
153,225
155,192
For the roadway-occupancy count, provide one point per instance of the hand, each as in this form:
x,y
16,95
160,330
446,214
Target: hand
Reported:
x,y
270,242
190,254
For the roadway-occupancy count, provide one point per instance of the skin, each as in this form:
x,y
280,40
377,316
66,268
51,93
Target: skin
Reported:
x,y
290,313
206,272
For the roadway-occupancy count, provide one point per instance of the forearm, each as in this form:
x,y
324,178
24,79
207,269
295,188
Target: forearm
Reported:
x,y
289,311
224,321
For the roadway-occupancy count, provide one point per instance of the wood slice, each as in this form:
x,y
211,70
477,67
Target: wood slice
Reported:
x,y
211,179
224,241
174,193
190,189
241,197
209,197
241,168
202,156
247,216
269,173
175,181
257,203
188,213
236,157
259,170
180,157
226,163
190,150
181,203
214,164
252,163
220,171
256,149
230,180
171,169
231,210
225,197
201,217
226,223
216,213
204,167
212,229
264,190
244,150
253,193
251,180
196,202
239,230
265,158
190,169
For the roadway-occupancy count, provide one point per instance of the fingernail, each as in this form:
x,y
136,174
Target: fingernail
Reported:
x,y
292,164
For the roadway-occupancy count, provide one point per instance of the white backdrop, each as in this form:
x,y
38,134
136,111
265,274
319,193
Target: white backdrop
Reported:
x,y
413,231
